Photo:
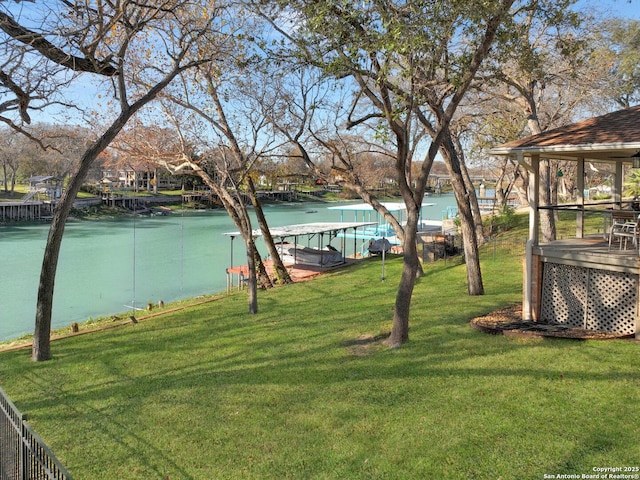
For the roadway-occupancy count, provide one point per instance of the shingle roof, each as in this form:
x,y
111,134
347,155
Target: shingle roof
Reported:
x,y
613,136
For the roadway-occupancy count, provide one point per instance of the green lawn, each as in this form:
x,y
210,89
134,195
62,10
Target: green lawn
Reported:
x,y
298,392
16,196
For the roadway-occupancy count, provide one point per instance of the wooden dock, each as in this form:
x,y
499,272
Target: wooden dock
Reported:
x,y
24,211
237,275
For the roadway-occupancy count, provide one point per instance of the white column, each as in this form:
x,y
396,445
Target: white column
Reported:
x,y
617,186
534,195
534,198
580,199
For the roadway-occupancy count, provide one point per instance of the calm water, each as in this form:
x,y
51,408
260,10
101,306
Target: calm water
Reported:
x,y
108,266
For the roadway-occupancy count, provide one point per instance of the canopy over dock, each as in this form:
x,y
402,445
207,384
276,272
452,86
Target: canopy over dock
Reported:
x,y
299,255
365,212
310,229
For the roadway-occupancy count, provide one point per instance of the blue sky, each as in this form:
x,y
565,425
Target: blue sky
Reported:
x,y
87,89
617,8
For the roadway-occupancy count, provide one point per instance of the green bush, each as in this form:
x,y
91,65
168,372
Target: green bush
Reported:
x,y
503,221
632,183
91,189
602,196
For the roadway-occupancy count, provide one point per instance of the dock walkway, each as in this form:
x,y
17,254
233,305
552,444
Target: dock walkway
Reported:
x,y
237,275
24,211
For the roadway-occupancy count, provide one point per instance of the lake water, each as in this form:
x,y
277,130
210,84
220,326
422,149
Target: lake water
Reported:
x,y
110,266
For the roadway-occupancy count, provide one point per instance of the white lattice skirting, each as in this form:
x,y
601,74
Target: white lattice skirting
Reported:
x,y
597,300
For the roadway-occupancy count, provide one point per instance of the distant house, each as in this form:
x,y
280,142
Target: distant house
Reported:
x,y
139,179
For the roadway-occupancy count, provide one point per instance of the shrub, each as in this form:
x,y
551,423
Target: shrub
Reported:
x,y
91,189
602,196
503,221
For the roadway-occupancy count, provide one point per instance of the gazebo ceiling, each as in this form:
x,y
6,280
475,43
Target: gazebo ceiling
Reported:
x,y
611,137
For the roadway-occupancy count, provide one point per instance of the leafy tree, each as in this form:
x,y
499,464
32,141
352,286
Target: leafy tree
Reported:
x,y
144,149
142,45
616,54
541,68
219,104
9,158
410,62
632,183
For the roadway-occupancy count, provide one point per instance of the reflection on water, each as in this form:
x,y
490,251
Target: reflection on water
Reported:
x,y
108,266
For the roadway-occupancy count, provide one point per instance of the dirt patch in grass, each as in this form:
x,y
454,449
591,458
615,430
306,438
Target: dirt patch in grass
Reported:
x,y
365,344
508,321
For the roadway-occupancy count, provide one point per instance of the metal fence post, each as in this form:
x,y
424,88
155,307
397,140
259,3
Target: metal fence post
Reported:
x,y
24,470
24,456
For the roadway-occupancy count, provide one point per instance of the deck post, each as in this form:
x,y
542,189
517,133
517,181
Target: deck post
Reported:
x,y
580,199
617,186
534,195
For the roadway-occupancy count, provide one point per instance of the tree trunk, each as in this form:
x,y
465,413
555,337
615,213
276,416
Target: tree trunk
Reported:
x,y
410,269
279,270
553,191
473,204
262,276
41,349
252,283
237,209
501,193
238,212
471,254
547,221
521,190
469,237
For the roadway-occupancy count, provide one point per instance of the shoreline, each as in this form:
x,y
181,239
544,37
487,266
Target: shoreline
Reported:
x,y
127,318
106,323
89,208
108,316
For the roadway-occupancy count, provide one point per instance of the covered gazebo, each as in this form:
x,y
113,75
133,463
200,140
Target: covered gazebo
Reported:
x,y
45,184
582,282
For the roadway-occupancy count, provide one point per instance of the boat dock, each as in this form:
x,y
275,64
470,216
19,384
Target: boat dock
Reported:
x,y
237,276
24,211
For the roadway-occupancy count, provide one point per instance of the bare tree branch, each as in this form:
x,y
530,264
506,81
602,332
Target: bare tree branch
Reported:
x,y
53,53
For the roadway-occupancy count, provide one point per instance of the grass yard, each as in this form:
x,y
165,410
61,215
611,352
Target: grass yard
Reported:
x,y
302,389
16,196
